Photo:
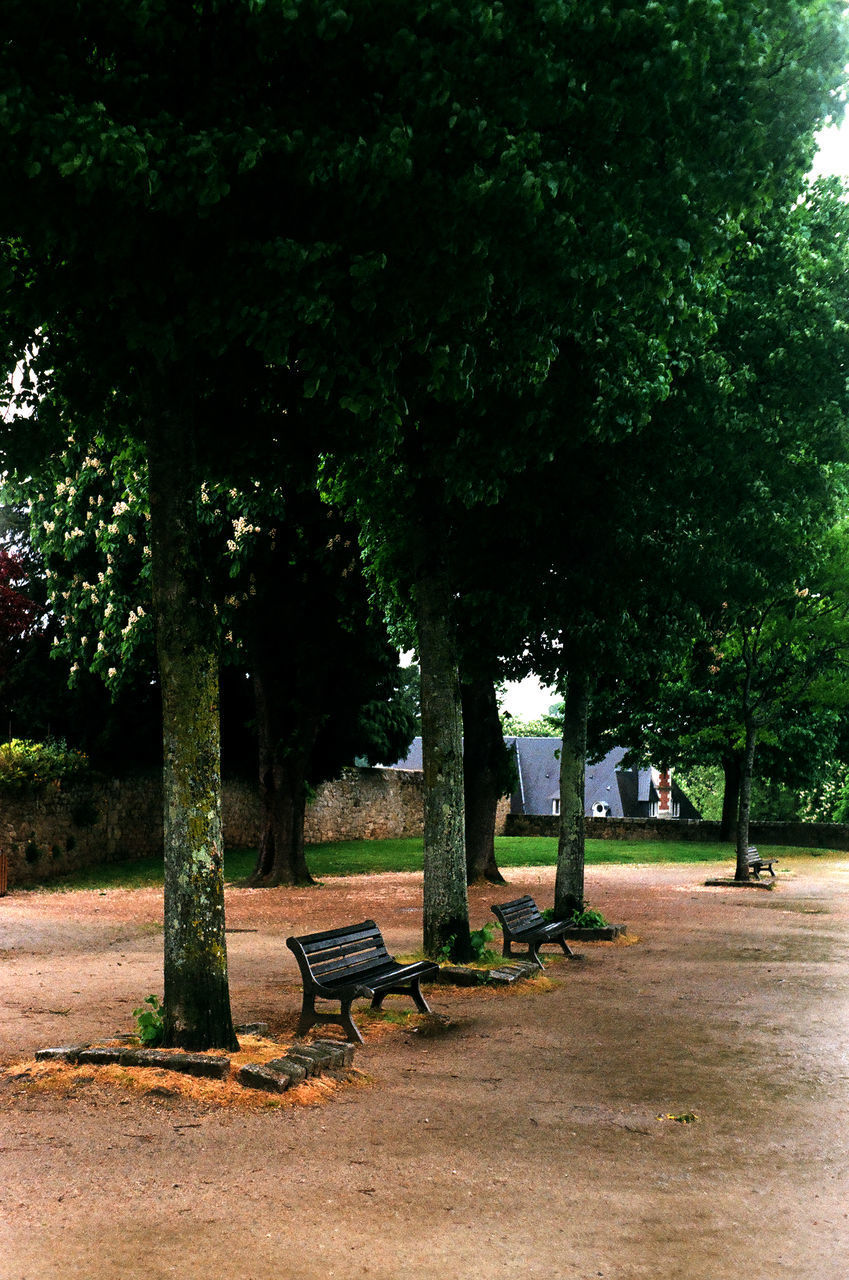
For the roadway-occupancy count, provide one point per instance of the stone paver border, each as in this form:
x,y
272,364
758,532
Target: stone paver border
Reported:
x,y
298,1063
460,976
728,882
597,933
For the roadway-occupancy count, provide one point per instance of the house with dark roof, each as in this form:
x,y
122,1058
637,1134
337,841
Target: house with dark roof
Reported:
x,y
610,789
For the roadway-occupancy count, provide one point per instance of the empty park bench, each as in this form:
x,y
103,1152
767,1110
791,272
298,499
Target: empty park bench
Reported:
x,y
344,964
521,922
757,864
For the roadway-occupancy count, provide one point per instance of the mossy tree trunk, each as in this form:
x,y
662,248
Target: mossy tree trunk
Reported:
x,y
569,879
731,770
446,907
197,998
742,869
483,778
283,791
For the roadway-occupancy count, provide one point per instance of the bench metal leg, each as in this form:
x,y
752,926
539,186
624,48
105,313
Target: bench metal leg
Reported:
x,y
411,989
348,1022
310,1016
421,1004
508,953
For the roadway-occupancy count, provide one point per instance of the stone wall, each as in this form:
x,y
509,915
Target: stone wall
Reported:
x,y
367,804
58,831
373,804
52,834
805,835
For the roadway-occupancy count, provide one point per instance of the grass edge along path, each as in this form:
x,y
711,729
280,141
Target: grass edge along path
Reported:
x,y
371,857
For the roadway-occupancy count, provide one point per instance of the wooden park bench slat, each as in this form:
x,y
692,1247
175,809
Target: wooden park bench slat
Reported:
x,y
351,962
344,957
522,922
757,864
355,973
326,941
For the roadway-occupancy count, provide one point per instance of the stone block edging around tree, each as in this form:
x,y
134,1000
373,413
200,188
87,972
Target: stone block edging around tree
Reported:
x,y
298,1063
598,933
728,882
457,975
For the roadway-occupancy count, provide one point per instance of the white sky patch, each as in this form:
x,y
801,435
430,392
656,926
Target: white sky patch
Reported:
x,y
527,699
833,155
14,411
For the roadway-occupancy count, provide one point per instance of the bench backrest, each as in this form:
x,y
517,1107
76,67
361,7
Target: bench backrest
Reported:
x,y
519,915
349,952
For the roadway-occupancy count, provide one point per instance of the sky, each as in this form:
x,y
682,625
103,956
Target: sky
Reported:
x,y
833,154
527,698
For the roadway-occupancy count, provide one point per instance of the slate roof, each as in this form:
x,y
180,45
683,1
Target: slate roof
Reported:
x,y
539,774
628,792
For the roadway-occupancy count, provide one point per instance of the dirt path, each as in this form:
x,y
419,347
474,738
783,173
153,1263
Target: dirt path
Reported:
x,y
526,1142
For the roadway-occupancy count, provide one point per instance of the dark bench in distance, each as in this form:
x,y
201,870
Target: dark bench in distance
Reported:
x,y
344,964
757,864
521,922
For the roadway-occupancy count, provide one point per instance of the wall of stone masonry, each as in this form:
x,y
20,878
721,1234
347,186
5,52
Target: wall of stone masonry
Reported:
x,y
373,804
59,831
49,834
367,804
804,835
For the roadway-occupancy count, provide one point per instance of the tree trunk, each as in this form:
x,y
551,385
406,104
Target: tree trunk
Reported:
x,y
742,871
281,857
569,880
197,999
731,766
483,751
446,908
265,763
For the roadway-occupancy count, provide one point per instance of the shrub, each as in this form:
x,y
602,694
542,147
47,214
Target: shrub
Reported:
x,y
28,768
581,918
479,939
150,1022
588,918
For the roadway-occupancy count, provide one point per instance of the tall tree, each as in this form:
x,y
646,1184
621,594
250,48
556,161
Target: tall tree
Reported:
x,y
296,613
180,203
757,491
786,652
489,773
325,675
569,880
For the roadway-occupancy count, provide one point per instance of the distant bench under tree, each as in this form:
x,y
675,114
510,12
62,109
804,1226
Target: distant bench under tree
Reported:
x,y
522,922
757,864
342,965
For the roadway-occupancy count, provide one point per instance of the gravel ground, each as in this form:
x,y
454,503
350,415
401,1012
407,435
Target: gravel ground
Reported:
x,y
531,1138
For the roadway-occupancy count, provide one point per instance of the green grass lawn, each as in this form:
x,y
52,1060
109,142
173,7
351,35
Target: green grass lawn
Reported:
x,y
364,857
